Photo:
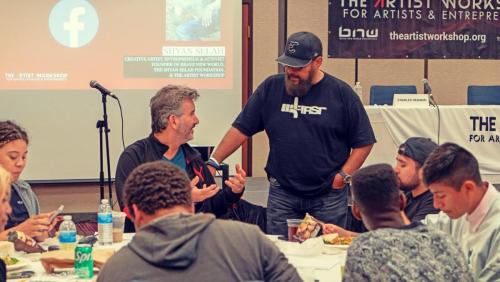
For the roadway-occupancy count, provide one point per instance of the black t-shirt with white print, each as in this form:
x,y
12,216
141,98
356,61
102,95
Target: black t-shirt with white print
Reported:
x,y
310,137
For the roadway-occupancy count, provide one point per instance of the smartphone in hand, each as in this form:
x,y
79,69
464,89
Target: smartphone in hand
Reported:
x,y
56,213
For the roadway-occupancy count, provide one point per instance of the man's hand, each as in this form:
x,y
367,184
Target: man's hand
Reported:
x,y
332,228
338,182
200,195
237,182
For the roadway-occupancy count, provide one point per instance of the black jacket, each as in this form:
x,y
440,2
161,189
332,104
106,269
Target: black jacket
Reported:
x,y
150,149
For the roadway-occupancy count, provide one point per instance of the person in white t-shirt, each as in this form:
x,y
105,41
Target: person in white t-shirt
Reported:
x,y
470,208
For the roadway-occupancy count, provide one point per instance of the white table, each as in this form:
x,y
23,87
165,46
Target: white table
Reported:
x,y
313,263
459,124
321,267
68,276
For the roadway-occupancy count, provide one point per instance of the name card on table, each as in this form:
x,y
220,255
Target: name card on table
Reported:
x,y
411,100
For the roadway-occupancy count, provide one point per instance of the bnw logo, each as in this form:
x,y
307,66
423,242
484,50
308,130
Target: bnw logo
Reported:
x,y
346,33
73,23
291,46
295,109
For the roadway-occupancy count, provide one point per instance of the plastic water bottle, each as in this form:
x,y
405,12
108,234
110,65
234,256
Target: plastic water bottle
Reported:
x,y
359,90
105,223
67,234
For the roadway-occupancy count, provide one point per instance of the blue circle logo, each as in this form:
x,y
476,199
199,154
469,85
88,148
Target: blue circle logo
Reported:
x,y
73,23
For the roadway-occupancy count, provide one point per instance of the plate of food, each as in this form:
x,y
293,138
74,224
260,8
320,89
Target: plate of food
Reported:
x,y
13,263
335,242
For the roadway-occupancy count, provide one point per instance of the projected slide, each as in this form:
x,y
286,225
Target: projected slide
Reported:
x,y
133,44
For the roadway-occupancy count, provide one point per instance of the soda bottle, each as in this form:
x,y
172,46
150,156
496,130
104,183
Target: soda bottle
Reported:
x,y
67,233
105,223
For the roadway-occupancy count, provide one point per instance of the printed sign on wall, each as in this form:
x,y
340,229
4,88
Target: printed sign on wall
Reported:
x,y
448,29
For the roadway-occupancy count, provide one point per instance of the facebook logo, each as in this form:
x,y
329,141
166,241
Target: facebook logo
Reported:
x,y
73,23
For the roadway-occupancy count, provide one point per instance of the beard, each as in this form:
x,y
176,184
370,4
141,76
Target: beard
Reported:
x,y
300,89
407,187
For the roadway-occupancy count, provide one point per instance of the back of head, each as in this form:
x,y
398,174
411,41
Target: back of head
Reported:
x,y
166,102
452,165
5,181
10,131
5,209
157,185
375,189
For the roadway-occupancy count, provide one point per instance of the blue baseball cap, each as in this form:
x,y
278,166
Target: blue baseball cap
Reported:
x,y
300,49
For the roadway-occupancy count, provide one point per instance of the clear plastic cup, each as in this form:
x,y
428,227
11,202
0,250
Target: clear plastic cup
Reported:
x,y
118,226
293,225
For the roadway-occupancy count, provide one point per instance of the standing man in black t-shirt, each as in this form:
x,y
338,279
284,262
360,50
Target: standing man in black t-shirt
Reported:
x,y
319,134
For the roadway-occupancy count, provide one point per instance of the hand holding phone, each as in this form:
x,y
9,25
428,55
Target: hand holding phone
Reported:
x,y
56,213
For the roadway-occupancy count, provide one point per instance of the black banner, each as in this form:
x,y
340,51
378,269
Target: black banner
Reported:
x,y
434,29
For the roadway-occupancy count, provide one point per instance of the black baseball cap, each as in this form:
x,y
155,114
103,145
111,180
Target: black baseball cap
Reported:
x,y
300,49
417,148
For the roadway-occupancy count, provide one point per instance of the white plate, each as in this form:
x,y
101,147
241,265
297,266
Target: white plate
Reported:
x,y
20,264
334,249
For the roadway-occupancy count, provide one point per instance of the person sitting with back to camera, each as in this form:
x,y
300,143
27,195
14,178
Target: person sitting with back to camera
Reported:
x,y
394,249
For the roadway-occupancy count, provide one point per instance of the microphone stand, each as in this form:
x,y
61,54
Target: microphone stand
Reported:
x,y
102,125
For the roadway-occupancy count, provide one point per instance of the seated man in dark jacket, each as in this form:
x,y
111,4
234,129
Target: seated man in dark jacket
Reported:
x,y
173,119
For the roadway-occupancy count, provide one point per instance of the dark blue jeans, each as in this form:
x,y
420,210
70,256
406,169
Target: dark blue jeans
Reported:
x,y
282,205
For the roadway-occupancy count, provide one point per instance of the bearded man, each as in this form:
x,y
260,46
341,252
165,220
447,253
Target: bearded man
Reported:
x,y
319,134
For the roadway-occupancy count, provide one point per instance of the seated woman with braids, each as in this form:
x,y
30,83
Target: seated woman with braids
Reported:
x,y
25,215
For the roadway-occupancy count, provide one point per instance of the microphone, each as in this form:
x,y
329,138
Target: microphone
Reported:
x,y
102,89
428,91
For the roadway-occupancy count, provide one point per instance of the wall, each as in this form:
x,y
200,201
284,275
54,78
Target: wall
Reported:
x,y
449,78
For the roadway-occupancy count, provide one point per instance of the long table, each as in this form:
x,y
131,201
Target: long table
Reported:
x,y
476,128
320,267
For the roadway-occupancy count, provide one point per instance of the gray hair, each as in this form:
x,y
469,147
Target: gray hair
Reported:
x,y
166,102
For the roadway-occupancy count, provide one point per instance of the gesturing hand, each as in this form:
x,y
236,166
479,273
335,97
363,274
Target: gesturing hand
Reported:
x,y
237,182
201,194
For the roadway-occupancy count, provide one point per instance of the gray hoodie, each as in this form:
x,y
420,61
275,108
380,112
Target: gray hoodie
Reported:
x,y
186,247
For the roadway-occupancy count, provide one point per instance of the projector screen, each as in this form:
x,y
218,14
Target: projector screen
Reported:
x,y
51,50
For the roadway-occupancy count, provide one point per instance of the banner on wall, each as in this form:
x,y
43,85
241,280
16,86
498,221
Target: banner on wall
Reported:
x,y
434,29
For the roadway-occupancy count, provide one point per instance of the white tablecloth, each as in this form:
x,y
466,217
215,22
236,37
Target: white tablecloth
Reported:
x,y
459,124
319,267
68,276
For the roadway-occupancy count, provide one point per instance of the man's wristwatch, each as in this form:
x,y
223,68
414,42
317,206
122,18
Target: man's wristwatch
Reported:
x,y
346,178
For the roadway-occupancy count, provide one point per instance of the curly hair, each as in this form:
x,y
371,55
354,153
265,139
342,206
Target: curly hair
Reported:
x,y
157,185
452,165
10,131
375,188
166,102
